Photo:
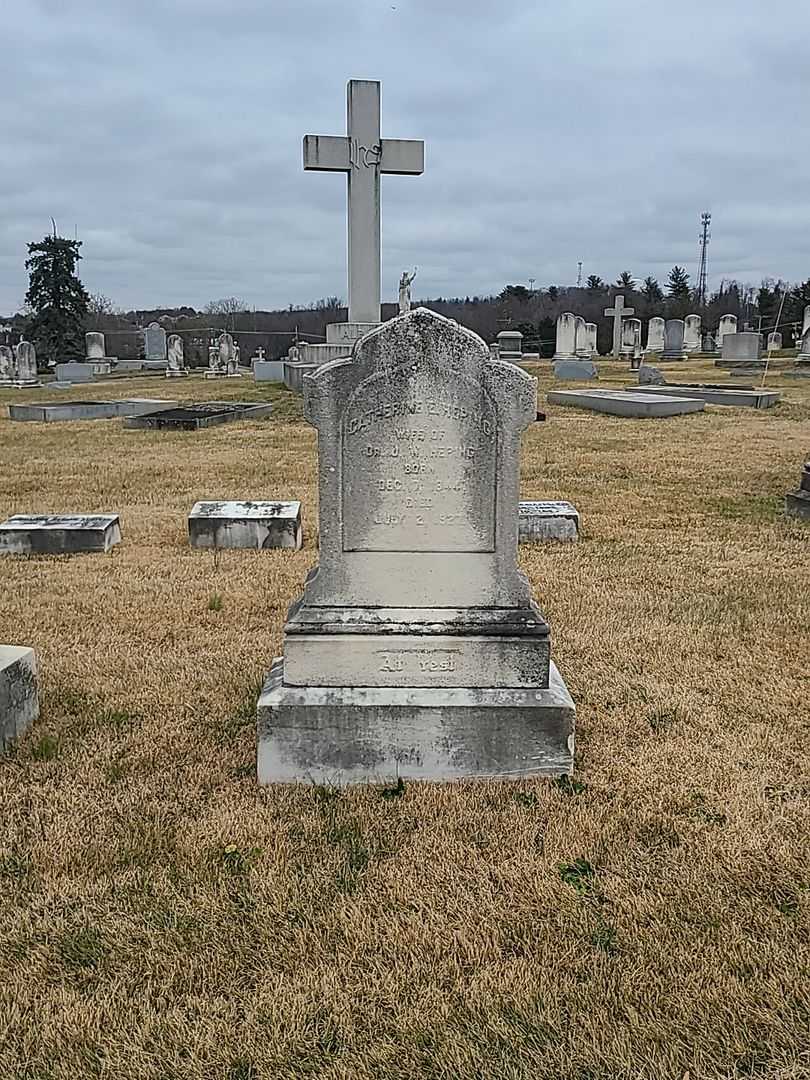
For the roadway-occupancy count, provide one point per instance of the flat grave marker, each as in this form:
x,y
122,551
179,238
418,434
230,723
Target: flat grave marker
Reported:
x,y
245,524
634,403
59,534
194,417
547,520
734,397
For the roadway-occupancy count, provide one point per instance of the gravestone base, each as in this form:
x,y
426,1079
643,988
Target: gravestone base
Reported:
x,y
548,520
257,525
223,374
170,374
19,703
59,534
355,735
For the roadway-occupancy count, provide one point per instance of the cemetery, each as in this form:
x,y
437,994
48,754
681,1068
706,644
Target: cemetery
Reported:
x,y
380,730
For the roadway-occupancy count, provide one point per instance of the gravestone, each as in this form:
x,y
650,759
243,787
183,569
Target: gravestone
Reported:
x,y
155,342
727,325
8,367
175,361
631,342
732,396
774,341
510,344
222,359
797,503
19,700
589,347
25,363
691,334
58,534
195,417
673,340
566,346
803,356
73,372
549,520
741,350
709,345
95,349
655,334
574,370
417,650
650,376
235,524
617,312
268,370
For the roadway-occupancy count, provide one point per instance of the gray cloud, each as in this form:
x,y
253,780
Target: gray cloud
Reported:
x,y
170,135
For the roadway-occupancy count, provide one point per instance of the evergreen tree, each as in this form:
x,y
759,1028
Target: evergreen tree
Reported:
x,y
678,283
57,299
625,280
595,283
652,290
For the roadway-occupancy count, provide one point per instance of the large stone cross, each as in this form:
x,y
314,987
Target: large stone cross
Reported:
x,y
618,311
363,156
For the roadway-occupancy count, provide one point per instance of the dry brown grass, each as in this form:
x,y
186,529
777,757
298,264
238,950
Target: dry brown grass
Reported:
x,y
161,917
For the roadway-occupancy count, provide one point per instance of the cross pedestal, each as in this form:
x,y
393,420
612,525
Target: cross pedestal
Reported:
x,y
618,311
364,156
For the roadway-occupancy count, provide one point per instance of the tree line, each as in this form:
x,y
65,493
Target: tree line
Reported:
x,y
60,310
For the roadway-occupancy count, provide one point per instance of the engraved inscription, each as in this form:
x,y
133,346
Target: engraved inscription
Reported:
x,y
411,661
419,453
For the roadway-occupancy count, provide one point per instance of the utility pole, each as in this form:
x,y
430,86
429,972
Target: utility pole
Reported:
x,y
579,275
705,236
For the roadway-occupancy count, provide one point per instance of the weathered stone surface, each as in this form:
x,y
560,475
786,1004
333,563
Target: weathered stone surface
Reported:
x,y
58,534
327,735
692,328
154,342
294,375
655,334
48,412
736,398
235,524
417,621
673,340
194,417
25,359
510,344
268,370
320,354
346,333
741,348
797,504
626,403
74,372
727,325
548,520
574,369
650,376
566,344
587,348
803,356
19,699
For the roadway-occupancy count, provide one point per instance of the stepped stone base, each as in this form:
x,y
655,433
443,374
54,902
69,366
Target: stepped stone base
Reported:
x,y
346,735
19,704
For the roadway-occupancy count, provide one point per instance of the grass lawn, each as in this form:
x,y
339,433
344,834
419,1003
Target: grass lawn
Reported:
x,y
163,918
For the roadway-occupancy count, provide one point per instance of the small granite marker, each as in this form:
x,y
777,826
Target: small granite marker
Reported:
x,y
58,534
798,503
416,650
19,701
260,525
539,521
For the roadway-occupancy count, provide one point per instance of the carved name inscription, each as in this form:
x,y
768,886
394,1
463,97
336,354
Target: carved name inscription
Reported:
x,y
419,450
410,661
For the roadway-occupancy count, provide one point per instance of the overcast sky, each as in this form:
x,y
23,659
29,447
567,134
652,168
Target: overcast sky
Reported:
x,y
169,134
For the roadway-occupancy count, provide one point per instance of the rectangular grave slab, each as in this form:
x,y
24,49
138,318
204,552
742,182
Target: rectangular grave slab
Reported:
x,y
541,521
268,370
19,700
196,417
58,534
234,524
624,403
48,412
416,650
744,366
740,399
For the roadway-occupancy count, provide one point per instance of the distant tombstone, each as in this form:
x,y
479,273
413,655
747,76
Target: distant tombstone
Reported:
x,y
804,348
655,334
236,360
617,313
94,345
774,341
155,342
743,346
709,345
417,650
176,364
574,370
566,346
259,354
650,376
26,363
728,325
7,366
591,348
805,320
510,343
692,334
628,341
581,339
673,340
